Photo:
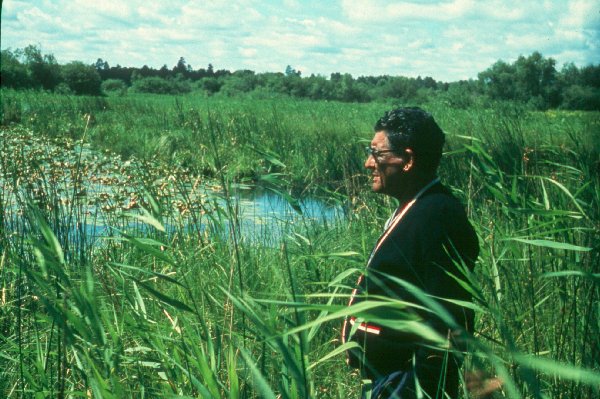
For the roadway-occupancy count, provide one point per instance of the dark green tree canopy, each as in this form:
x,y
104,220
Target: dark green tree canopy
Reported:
x,y
533,80
81,78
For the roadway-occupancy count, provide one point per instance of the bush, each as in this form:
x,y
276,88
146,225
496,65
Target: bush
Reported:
x,y
13,72
210,85
581,98
81,78
158,85
63,88
114,86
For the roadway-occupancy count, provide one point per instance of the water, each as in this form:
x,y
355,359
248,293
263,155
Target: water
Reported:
x,y
259,216
88,193
267,216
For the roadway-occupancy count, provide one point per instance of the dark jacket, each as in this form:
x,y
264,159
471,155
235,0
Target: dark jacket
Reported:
x,y
423,249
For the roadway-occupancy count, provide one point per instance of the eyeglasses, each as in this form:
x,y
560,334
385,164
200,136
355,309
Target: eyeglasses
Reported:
x,y
376,153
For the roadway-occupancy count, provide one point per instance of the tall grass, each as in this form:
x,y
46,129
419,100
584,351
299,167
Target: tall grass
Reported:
x,y
171,300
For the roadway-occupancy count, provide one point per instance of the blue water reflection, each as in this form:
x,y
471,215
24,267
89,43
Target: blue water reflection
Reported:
x,y
266,216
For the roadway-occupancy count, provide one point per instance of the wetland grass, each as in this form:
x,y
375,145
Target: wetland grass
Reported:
x,y
171,301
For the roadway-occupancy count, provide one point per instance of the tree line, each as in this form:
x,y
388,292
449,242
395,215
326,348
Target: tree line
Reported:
x,y
533,80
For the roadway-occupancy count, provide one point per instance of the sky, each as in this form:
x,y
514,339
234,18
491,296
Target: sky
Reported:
x,y
448,40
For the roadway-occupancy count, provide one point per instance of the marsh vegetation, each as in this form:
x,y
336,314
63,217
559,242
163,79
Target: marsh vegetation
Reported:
x,y
172,300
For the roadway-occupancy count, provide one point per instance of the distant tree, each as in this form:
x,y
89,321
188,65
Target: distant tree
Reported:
x,y
427,82
63,88
590,76
530,79
578,97
182,68
272,82
158,85
44,70
101,65
242,81
210,85
319,88
81,78
13,73
460,94
151,85
498,81
398,87
570,75
164,72
346,90
289,71
536,79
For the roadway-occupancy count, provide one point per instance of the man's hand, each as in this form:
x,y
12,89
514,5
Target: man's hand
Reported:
x,y
481,386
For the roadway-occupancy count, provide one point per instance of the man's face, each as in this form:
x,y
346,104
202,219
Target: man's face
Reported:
x,y
386,169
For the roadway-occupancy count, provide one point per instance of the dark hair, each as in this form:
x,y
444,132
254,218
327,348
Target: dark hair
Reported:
x,y
412,127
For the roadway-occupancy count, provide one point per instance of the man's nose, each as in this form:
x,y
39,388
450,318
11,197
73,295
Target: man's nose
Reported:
x,y
370,162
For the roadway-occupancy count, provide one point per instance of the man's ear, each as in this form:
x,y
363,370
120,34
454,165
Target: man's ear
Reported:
x,y
409,160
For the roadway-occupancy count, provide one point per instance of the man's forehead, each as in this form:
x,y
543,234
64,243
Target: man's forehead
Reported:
x,y
380,138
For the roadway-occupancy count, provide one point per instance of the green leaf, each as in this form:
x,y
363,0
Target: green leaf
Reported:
x,y
162,297
345,254
260,383
551,244
51,241
340,349
146,218
234,385
150,272
294,203
568,193
147,246
270,156
558,369
566,273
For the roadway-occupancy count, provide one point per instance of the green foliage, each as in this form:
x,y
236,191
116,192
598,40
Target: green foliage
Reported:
x,y
113,86
239,82
14,73
157,85
532,80
81,78
44,69
535,80
210,85
583,98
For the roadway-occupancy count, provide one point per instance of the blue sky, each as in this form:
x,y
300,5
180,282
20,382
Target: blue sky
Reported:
x,y
447,40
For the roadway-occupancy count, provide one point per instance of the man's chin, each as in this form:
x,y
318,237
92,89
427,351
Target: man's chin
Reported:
x,y
376,188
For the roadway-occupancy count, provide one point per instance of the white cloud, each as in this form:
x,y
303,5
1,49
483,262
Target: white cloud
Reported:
x,y
525,41
114,8
293,4
248,52
446,39
378,10
582,14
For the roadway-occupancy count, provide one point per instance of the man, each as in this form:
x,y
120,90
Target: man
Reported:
x,y
426,243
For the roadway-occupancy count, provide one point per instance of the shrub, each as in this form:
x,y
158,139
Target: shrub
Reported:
x,y
158,85
114,86
81,78
581,98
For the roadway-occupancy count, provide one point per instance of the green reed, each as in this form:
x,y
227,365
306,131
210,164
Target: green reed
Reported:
x,y
172,301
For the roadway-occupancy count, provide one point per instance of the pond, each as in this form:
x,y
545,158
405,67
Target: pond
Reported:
x,y
90,193
266,215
